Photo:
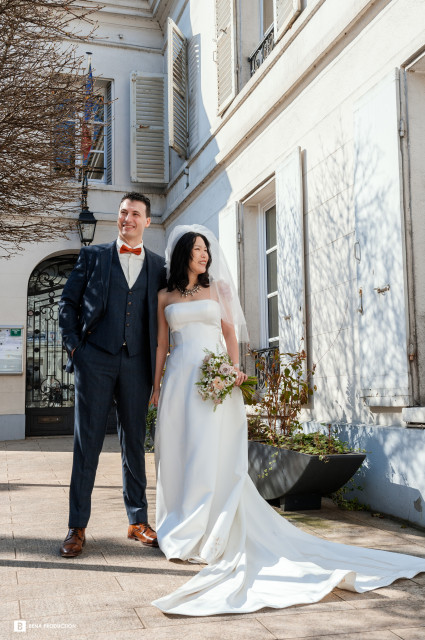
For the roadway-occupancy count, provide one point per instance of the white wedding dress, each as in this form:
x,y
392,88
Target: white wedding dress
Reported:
x,y
209,511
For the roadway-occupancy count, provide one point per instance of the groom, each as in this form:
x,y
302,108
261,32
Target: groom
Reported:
x,y
107,316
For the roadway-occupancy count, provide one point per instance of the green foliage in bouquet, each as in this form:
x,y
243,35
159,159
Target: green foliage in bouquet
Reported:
x,y
218,379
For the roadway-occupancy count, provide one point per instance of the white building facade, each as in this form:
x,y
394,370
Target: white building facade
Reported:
x,y
294,130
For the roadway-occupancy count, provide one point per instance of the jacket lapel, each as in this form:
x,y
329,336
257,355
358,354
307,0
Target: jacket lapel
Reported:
x,y
105,269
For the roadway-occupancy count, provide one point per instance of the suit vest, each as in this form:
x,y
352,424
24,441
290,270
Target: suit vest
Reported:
x,y
125,321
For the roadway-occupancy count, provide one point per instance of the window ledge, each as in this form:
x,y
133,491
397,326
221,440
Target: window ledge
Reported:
x,y
414,416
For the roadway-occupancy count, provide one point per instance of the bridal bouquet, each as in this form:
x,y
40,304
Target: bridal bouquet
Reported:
x,y
218,378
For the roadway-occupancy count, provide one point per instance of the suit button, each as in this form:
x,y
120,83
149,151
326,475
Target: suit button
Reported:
x,y
130,293
129,302
128,313
128,324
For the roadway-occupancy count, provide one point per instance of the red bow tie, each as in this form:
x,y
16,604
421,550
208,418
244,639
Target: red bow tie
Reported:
x,y
125,249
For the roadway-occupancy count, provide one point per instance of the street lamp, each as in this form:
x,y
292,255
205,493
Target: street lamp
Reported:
x,y
86,226
86,220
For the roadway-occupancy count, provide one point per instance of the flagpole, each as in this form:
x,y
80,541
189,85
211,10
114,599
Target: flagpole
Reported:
x,y
86,220
84,186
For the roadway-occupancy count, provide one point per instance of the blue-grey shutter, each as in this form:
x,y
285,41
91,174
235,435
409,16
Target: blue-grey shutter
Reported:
x,y
379,250
290,253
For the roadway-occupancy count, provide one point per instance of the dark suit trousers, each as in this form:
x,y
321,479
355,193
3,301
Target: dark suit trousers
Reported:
x,y
99,376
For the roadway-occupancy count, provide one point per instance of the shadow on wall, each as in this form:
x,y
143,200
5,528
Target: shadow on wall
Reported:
x,y
214,199
393,479
357,341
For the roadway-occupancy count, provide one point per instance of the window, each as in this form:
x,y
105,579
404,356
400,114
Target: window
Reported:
x,y
95,160
266,16
88,144
271,294
277,17
258,265
65,149
285,12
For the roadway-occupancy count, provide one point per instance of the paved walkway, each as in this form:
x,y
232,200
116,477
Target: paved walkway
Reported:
x,y
106,593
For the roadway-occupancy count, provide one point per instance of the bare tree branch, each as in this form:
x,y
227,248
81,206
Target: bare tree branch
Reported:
x,y
42,99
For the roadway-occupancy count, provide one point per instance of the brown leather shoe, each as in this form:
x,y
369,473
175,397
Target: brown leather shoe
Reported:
x,y
74,542
144,533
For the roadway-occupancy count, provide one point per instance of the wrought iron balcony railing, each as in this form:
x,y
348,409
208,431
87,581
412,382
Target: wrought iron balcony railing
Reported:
x,y
268,355
263,50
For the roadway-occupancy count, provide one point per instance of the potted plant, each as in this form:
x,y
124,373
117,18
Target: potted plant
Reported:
x,y
286,464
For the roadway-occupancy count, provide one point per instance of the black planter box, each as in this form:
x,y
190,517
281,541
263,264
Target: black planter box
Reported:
x,y
298,480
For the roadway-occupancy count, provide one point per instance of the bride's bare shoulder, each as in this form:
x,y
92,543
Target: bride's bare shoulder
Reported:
x,y
163,297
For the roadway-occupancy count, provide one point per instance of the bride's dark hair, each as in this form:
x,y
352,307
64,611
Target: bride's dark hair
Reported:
x,y
180,259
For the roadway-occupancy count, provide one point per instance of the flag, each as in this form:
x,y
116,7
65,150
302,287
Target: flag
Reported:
x,y
86,137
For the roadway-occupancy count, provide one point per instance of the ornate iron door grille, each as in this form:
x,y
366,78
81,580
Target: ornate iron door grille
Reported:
x,y
49,388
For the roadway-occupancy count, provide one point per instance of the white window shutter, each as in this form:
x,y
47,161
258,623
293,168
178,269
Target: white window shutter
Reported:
x,y
177,90
226,52
290,254
285,12
378,201
149,151
193,65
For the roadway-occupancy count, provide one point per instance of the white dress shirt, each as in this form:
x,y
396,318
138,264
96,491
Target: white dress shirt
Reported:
x,y
130,263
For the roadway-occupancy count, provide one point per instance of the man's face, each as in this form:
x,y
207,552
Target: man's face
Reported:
x,y
132,221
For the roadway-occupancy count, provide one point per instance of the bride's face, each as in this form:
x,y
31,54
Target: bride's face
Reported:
x,y
199,257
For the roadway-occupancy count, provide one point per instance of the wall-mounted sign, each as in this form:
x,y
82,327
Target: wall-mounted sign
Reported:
x,y
11,349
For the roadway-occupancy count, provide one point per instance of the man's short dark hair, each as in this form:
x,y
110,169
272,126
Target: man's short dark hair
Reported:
x,y
135,195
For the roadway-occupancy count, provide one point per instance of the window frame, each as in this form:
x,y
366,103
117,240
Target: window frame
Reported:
x,y
264,295
101,88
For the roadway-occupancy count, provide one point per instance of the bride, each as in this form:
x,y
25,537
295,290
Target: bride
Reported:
x,y
208,510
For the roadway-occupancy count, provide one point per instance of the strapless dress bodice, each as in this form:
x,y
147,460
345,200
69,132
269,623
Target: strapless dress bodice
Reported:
x,y
198,321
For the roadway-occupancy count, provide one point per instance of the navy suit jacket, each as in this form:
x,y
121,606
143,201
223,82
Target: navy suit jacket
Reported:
x,y
85,295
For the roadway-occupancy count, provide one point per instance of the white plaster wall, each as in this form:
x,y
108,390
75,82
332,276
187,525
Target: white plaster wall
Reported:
x,y
307,98
319,118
